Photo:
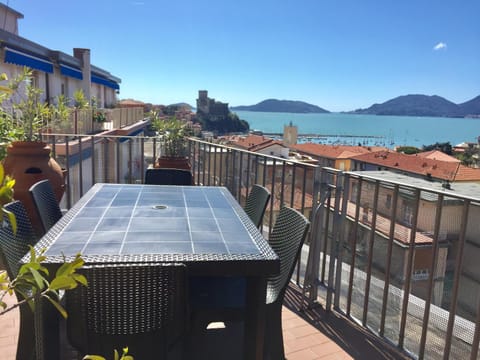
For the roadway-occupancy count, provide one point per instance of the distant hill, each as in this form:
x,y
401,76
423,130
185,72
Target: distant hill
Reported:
x,y
423,105
184,105
471,107
287,106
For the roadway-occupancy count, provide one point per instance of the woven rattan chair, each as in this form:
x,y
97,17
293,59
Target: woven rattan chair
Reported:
x,y
142,306
286,239
45,203
163,176
12,248
256,204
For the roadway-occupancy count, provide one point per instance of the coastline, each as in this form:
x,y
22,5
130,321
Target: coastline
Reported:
x,y
393,130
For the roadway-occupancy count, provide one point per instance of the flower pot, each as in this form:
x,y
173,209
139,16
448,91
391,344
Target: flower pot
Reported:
x,y
173,163
29,162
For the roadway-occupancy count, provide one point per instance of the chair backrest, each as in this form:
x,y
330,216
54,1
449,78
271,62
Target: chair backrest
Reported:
x,y
286,239
164,176
45,203
256,204
142,306
13,246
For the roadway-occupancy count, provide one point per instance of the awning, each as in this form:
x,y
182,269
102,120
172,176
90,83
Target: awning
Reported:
x,y
102,81
20,58
71,72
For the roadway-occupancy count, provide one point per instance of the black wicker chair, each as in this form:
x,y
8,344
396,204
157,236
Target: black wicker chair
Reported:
x,y
142,306
286,239
45,203
256,204
13,247
164,176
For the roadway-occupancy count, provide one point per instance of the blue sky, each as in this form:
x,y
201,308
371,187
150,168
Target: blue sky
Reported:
x,y
337,54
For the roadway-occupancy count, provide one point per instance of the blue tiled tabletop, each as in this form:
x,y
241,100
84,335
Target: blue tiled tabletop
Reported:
x,y
120,222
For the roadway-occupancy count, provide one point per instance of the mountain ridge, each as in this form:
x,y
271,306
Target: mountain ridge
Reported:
x,y
423,105
287,106
404,105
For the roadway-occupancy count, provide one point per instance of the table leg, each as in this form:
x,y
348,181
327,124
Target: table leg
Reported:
x,y
255,318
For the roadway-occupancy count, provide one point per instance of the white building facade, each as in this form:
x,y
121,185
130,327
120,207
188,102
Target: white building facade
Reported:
x,y
54,72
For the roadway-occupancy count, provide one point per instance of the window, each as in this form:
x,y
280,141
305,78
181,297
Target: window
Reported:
x,y
420,274
388,201
407,213
354,192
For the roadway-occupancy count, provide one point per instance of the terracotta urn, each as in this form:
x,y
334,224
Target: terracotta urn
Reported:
x,y
173,163
29,162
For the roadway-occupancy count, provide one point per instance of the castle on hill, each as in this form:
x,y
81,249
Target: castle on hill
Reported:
x,y
209,107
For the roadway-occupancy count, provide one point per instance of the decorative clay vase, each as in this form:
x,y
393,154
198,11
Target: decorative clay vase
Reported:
x,y
29,162
173,163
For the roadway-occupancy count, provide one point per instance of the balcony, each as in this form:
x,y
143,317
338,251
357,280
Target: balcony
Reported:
x,y
389,269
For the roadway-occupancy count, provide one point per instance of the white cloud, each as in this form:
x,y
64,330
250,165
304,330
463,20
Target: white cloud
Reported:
x,y
440,46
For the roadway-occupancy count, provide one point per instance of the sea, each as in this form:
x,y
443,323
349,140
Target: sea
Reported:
x,y
367,130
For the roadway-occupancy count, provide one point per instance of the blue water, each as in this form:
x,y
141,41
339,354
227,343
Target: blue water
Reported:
x,y
390,130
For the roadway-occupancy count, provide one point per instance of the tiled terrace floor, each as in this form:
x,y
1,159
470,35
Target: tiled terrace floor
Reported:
x,y
312,335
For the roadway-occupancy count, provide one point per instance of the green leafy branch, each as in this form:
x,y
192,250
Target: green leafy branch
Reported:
x,y
32,282
116,356
6,195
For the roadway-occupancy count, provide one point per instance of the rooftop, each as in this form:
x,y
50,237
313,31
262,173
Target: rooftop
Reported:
x,y
334,151
458,188
437,169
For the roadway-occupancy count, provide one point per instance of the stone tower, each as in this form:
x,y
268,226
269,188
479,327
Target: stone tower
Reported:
x,y
203,102
290,134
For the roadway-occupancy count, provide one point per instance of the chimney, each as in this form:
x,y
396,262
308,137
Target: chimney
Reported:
x,y
84,56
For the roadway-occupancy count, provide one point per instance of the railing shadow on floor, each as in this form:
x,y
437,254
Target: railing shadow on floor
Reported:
x,y
357,341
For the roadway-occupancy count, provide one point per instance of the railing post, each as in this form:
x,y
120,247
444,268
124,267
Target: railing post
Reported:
x,y
408,271
334,246
371,243
142,160
80,163
311,280
391,238
343,196
456,283
354,245
67,182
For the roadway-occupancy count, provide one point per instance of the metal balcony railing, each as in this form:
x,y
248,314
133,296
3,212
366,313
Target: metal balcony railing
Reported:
x,y
397,258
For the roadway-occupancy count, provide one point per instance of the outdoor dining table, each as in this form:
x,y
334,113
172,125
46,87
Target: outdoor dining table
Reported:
x,y
203,227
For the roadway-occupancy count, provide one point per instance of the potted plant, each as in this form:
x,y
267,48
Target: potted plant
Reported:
x,y
6,195
172,134
27,158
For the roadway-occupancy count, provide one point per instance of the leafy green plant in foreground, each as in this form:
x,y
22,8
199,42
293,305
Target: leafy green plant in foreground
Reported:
x,y
32,282
6,195
116,356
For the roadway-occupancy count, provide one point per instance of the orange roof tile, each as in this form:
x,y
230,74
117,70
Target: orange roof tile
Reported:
x,y
443,170
466,173
437,155
333,151
250,141
266,145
